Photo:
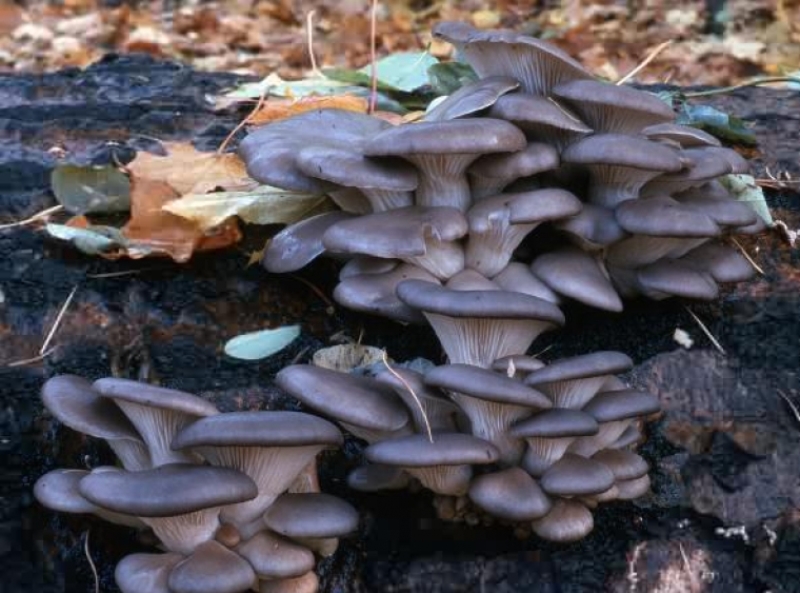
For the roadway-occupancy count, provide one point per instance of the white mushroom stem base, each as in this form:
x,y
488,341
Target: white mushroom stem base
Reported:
x,y
183,533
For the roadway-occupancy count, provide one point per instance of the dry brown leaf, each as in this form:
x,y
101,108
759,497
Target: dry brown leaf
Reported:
x,y
153,231
188,170
277,109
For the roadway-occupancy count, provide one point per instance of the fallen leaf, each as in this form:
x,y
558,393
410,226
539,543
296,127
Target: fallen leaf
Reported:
x,y
263,205
97,240
346,357
717,123
83,190
745,189
282,108
188,170
261,344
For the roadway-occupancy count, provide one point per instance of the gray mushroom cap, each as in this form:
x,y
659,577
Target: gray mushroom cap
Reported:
x,y
137,573
556,423
472,98
491,173
724,263
168,490
520,363
537,65
58,490
270,151
625,465
426,406
666,278
374,477
622,404
663,216
579,367
486,385
724,211
300,243
311,515
685,136
211,568
446,449
568,521
704,164
273,556
608,107
578,275
592,228
419,235
573,475
518,277
144,394
357,401
510,494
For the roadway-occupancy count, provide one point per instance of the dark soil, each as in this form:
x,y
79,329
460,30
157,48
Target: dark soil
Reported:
x,y
724,453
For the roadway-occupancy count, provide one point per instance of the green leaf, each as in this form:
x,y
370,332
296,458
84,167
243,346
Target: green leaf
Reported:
x,y
404,71
723,126
447,77
95,240
745,189
263,205
261,344
83,190
273,85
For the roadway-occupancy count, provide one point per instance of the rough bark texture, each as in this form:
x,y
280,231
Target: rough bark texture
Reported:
x,y
724,452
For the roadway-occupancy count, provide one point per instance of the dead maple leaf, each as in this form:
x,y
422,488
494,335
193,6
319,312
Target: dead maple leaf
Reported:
x,y
277,109
188,170
154,231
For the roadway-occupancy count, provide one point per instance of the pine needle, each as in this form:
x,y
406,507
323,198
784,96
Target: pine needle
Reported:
x,y
27,361
373,59
91,562
706,331
35,218
791,405
57,322
411,391
643,64
746,255
310,42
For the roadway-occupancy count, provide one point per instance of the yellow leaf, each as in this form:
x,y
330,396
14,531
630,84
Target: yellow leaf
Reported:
x,y
276,109
263,205
188,170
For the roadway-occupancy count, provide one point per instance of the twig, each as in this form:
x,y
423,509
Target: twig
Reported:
x,y
243,123
791,405
411,391
643,64
742,85
310,42
57,322
91,562
706,331
27,361
123,273
373,60
35,218
746,255
315,290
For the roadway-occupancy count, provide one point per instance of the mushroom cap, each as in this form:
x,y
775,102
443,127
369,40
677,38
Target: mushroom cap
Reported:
x,y
567,521
434,298
154,397
593,227
472,98
373,477
556,423
576,274
510,494
724,263
75,403
533,113
258,429
446,449
270,152
521,363
344,166
313,515
359,401
536,64
623,150
137,573
168,490
211,568
518,277
397,233
573,475
300,243
273,556
686,136
58,490
613,108
459,136
663,216
523,207
723,211
625,465
676,278
579,367
486,385
534,158
307,583
621,404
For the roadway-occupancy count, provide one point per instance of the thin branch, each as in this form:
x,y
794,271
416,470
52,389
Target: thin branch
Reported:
x,y
27,361
35,218
411,391
91,562
791,405
706,331
243,123
746,255
57,322
310,42
742,85
643,64
373,59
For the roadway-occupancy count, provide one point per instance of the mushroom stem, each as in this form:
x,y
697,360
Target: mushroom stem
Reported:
x,y
443,181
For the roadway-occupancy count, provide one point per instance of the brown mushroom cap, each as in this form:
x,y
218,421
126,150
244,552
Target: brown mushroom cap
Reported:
x,y
472,98
567,521
211,568
608,107
573,475
625,465
307,583
510,494
537,65
299,244
136,573
358,402
312,515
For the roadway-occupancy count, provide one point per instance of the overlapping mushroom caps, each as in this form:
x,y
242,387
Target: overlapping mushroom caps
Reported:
x,y
204,483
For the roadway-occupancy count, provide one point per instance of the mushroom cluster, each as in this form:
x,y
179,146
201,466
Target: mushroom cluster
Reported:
x,y
432,218
232,499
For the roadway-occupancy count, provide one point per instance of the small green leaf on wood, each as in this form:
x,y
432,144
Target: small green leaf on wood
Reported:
x,y
447,77
745,189
717,123
261,344
95,240
83,190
